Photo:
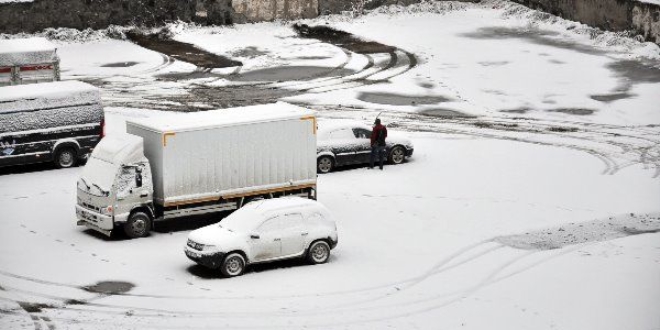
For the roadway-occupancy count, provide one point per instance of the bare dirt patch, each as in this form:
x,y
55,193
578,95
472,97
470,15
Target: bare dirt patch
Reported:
x,y
181,51
341,39
110,287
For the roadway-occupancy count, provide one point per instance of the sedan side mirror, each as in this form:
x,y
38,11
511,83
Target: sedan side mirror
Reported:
x,y
254,236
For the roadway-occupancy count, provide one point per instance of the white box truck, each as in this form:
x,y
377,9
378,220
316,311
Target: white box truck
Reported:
x,y
197,163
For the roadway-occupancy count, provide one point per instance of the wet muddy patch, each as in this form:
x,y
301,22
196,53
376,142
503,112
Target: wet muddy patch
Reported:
x,y
400,99
120,65
249,52
536,36
34,307
574,111
562,129
445,113
292,73
110,287
181,51
607,98
585,232
341,39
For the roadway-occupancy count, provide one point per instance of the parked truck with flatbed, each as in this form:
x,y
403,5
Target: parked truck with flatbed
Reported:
x,y
212,161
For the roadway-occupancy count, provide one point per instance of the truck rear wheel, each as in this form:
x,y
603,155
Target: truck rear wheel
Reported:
x,y
65,157
138,225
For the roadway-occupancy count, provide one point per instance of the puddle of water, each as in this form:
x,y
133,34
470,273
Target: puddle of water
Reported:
x,y
341,39
574,111
607,98
120,65
109,287
399,99
537,36
516,110
445,113
292,73
586,232
631,72
182,51
495,63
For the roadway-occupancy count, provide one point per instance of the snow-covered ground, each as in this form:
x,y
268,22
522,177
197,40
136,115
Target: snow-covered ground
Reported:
x,y
532,200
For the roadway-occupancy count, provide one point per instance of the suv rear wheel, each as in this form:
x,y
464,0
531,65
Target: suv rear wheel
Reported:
x,y
319,252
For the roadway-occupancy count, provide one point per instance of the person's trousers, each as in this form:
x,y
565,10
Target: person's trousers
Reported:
x,y
377,151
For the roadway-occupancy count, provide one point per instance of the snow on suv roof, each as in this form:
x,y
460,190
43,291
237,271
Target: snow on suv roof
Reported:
x,y
253,213
27,51
223,117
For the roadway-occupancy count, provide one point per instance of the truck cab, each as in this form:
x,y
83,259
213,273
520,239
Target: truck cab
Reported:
x,y
116,188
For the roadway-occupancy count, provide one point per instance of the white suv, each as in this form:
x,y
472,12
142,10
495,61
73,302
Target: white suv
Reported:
x,y
263,231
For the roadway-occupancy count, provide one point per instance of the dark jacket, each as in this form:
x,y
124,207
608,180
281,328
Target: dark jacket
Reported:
x,y
378,138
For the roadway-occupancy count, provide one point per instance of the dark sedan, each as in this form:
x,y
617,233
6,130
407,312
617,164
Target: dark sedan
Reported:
x,y
343,142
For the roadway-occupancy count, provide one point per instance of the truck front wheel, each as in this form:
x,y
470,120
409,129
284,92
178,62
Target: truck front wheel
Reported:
x,y
138,225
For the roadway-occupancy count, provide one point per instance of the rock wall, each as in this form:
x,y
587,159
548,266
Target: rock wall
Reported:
x,y
270,10
611,15
96,14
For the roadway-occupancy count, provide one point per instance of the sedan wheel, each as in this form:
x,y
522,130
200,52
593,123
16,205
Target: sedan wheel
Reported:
x,y
397,155
319,252
233,265
325,164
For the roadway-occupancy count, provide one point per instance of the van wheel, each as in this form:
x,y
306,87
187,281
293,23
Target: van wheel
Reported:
x,y
325,164
65,157
397,155
319,253
138,225
233,265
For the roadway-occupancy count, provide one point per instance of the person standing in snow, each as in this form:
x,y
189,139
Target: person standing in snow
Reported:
x,y
378,136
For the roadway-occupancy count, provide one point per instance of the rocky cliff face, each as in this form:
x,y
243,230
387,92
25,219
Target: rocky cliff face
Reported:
x,y
611,15
95,14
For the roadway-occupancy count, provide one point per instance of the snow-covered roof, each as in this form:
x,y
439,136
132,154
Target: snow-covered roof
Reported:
x,y
223,117
27,51
52,94
120,149
253,213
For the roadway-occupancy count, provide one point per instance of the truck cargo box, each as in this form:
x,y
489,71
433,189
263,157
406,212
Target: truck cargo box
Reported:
x,y
221,154
30,60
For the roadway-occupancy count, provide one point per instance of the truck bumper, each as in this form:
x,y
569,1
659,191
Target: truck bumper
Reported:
x,y
93,219
210,260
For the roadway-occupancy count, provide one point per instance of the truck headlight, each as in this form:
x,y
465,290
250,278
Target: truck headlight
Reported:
x,y
106,210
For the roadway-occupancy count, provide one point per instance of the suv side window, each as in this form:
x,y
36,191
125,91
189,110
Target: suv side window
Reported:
x,y
316,219
293,220
271,225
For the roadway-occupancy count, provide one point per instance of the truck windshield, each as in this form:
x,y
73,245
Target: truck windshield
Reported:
x,y
98,175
